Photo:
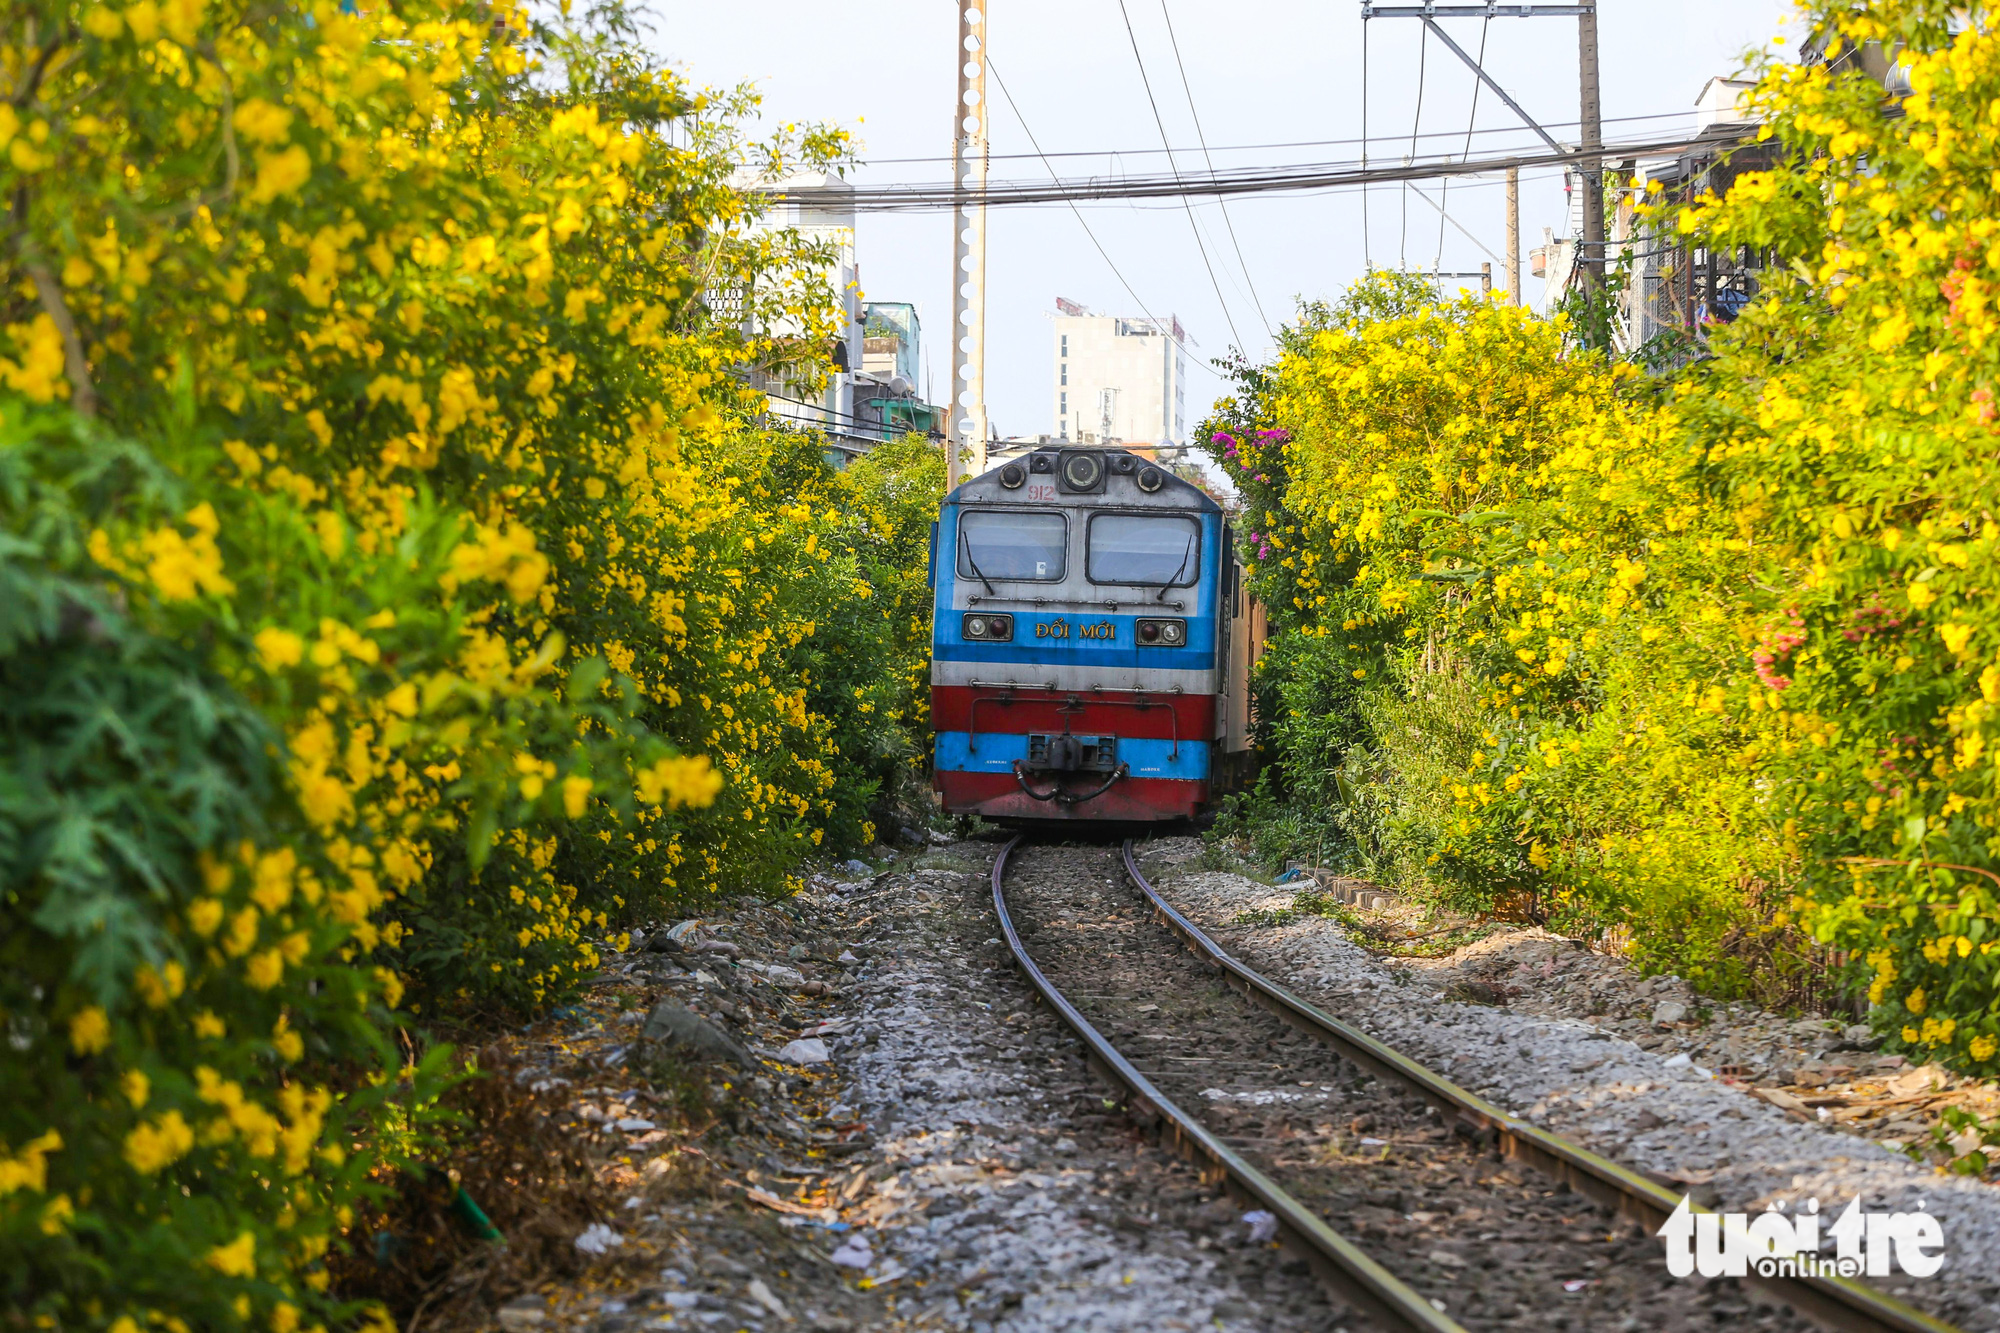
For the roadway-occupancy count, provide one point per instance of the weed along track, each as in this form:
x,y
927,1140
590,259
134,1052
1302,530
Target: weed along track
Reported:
x,y
1418,1210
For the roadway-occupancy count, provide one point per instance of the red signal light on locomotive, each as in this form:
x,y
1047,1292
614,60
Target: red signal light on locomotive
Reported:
x,y
986,627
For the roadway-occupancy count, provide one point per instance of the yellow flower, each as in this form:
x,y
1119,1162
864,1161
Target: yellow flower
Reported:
x,y
30,1170
1915,1001
136,1087
684,781
56,1214
204,916
161,988
279,173
236,1259
89,1031
261,122
158,1144
575,791
279,648
265,970
207,1026
1983,1046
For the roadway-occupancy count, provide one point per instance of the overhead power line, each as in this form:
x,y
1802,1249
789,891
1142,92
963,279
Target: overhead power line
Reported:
x,y
1109,263
1416,124
1202,138
1444,186
918,198
1201,247
1261,147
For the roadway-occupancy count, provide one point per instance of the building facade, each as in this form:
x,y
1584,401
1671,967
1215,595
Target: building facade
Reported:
x,y
871,393
1119,379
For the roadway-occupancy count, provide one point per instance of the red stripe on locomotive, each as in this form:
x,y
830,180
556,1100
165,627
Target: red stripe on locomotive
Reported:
x,y
1162,716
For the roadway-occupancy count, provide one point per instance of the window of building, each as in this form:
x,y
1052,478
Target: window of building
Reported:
x,y
1158,549
1065,344
1065,372
1012,545
1063,405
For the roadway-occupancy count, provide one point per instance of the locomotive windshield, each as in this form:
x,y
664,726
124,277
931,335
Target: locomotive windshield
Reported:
x,y
1011,544
1158,549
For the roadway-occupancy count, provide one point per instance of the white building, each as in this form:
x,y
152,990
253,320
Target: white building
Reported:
x,y
1118,379
819,207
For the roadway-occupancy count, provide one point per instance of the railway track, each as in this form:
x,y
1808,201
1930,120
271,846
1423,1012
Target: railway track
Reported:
x,y
1454,1214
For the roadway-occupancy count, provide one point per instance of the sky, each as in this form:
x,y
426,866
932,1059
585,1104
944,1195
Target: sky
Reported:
x,y
1251,75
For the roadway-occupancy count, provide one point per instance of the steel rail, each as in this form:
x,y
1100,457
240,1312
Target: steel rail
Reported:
x,y
1833,1302
1337,1261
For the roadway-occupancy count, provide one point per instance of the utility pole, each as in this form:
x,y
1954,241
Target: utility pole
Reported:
x,y
1591,168
968,249
1514,235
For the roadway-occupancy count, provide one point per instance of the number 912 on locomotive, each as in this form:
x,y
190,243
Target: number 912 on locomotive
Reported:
x,y
1091,643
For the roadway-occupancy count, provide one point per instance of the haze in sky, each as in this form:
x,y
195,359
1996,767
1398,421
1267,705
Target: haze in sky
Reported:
x,y
1256,73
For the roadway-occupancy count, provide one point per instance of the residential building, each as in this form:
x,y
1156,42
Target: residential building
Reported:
x,y
870,394
886,403
1119,379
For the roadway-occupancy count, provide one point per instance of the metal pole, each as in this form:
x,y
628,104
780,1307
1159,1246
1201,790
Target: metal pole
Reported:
x,y
1514,235
1486,279
968,269
1592,131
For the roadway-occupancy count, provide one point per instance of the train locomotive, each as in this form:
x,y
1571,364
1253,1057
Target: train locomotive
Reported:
x,y
1091,643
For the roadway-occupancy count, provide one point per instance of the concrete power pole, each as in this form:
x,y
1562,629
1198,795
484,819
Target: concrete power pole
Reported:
x,y
968,248
1514,235
1591,168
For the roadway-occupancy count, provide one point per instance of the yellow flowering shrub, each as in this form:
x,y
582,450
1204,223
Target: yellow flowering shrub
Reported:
x,y
1713,659
381,376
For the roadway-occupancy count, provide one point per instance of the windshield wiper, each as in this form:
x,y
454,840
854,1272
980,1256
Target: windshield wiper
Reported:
x,y
975,569
1186,555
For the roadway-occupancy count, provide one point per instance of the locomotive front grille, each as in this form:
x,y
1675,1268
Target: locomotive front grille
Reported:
x,y
1064,753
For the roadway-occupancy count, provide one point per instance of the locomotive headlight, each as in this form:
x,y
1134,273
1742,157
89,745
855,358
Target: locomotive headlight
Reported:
x,y
1161,633
1171,632
989,628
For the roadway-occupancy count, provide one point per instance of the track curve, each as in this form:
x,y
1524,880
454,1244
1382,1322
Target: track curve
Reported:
x,y
1342,1264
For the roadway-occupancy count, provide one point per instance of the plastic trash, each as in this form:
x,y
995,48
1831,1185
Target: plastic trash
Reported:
x,y
1680,1061
598,1239
1263,1226
635,1124
804,1051
858,868
679,934
847,956
854,1252
767,1298
1288,876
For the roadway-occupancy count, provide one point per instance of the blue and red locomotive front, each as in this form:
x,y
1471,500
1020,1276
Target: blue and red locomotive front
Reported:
x,y
1090,643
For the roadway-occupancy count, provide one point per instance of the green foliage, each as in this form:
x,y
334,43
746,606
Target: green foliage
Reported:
x,y
149,1077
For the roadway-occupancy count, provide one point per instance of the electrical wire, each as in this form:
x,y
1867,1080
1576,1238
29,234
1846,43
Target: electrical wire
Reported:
x,y
1200,246
1202,138
1444,217
919,197
1109,263
1423,57
1444,186
1260,147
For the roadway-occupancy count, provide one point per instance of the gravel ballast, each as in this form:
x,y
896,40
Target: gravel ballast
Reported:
x,y
1659,1112
1010,1197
